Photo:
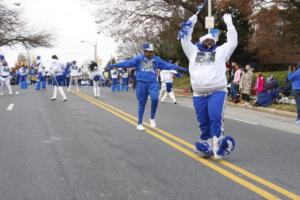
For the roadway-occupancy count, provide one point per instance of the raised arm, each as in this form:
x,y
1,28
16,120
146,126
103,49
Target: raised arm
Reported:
x,y
185,36
232,37
292,76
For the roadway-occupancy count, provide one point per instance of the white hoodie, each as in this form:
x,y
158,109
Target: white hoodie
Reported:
x,y
208,69
57,68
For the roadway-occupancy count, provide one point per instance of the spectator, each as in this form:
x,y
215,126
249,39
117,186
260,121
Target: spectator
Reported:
x,y
245,84
235,84
294,76
259,84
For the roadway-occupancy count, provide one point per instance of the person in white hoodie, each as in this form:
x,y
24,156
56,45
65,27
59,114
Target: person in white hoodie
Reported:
x,y
57,71
166,77
207,67
4,76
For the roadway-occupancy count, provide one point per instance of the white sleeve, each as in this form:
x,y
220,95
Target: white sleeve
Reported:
x,y
162,76
232,42
186,42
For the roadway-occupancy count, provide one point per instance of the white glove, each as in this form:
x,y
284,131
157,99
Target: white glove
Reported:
x,y
227,19
193,19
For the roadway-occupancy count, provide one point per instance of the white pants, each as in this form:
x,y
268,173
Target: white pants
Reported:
x,y
5,81
75,79
96,88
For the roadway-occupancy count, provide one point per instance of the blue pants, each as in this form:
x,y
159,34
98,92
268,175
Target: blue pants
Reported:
x,y
169,87
58,80
124,84
144,89
23,82
297,99
115,85
41,80
209,111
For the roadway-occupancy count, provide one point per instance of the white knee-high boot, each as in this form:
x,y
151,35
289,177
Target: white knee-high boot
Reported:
x,y
61,91
98,91
215,147
7,82
164,97
70,84
95,91
54,93
76,83
172,96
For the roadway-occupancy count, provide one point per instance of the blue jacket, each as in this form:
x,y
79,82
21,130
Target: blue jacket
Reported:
x,y
295,78
146,70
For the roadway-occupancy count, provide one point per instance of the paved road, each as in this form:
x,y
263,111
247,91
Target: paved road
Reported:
x,y
88,149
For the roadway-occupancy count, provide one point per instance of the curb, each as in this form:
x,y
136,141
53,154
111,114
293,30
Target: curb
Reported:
x,y
261,109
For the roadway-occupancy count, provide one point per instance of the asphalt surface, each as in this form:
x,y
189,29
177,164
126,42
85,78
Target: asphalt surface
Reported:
x,y
83,149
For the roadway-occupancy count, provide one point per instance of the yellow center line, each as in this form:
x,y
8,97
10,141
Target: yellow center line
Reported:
x,y
244,172
187,152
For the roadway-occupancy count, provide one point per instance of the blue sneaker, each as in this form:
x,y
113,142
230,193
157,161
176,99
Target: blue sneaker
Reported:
x,y
203,149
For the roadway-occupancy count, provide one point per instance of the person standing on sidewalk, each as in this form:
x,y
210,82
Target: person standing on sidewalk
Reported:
x,y
245,84
294,76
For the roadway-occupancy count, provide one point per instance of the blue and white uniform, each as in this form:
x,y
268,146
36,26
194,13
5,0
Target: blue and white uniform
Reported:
x,y
23,76
41,74
114,73
166,77
147,84
57,71
5,77
124,76
96,77
75,73
207,67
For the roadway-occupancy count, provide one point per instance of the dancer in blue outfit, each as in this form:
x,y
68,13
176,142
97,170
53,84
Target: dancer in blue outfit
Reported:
x,y
146,66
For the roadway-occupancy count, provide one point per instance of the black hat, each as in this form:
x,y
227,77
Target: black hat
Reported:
x,y
55,57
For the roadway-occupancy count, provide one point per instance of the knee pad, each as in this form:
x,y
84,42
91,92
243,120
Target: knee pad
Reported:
x,y
204,148
226,146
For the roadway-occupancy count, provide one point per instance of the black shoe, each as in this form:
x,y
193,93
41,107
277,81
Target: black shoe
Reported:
x,y
175,103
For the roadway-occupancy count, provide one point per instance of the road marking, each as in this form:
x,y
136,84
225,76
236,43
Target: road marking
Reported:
x,y
240,120
191,154
191,146
10,107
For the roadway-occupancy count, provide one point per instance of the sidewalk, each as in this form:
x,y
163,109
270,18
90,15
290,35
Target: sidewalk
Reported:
x,y
182,93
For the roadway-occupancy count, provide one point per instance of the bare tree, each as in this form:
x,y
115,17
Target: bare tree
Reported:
x,y
14,31
124,17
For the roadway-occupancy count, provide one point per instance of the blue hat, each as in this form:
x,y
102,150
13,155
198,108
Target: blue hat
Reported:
x,y
38,57
2,57
148,47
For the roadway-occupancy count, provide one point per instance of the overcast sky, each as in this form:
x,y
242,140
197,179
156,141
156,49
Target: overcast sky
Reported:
x,y
71,21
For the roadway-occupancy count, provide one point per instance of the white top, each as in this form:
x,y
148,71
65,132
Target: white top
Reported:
x,y
125,75
95,73
57,68
167,75
114,73
4,70
208,69
75,70
41,67
23,71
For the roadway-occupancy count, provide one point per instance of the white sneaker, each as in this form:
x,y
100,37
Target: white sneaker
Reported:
x,y
1,93
298,122
152,123
140,127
